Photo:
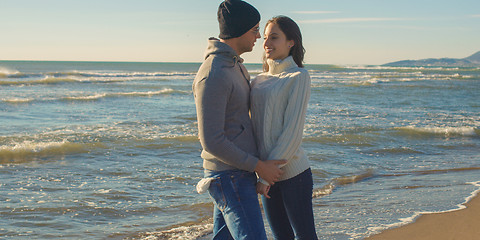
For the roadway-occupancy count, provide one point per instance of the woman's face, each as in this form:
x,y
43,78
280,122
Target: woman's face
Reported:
x,y
276,45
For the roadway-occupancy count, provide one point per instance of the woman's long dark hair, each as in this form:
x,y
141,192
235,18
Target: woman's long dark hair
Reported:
x,y
292,31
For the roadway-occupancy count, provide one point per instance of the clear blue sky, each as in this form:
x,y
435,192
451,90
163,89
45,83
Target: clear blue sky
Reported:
x,y
335,32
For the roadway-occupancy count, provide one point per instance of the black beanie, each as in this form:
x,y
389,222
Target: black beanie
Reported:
x,y
235,18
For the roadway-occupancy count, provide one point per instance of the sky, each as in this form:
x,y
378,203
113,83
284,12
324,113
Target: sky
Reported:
x,y
342,32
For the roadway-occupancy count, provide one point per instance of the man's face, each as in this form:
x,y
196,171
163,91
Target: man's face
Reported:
x,y
248,39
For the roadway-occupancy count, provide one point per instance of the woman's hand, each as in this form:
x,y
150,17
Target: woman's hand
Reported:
x,y
263,189
269,170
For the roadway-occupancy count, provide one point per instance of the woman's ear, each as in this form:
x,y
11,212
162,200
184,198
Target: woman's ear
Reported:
x,y
291,43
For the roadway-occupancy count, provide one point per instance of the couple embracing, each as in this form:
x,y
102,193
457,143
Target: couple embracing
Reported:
x,y
251,131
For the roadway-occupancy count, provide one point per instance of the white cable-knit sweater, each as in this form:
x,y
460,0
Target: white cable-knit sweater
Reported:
x,y
279,102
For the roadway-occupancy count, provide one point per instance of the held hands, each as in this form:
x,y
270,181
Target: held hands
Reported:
x,y
263,189
269,170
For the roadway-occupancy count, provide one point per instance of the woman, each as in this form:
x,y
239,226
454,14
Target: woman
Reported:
x,y
279,100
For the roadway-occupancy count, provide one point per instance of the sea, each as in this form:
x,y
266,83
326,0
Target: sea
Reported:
x,y
109,150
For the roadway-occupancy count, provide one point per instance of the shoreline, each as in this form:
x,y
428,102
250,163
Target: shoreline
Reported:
x,y
461,223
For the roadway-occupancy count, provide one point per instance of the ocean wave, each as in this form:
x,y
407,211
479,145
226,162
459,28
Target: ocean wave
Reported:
x,y
440,171
45,80
93,74
59,80
372,76
17,100
325,190
86,98
5,72
124,74
341,181
122,94
344,139
189,231
183,138
397,150
374,67
18,78
377,80
29,150
438,131
136,134
97,96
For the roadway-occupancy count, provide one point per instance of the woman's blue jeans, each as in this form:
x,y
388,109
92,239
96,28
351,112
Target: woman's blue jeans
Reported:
x,y
289,210
237,213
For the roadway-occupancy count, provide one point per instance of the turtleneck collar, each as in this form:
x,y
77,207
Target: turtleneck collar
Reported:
x,y
278,66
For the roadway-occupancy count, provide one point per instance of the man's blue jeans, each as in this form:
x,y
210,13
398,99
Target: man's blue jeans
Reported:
x,y
237,213
289,210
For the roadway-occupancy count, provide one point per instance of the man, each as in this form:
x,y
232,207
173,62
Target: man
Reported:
x,y
222,97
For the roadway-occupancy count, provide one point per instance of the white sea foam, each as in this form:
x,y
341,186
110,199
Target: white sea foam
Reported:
x,y
78,97
118,94
90,97
44,80
19,152
149,93
119,74
32,146
181,233
447,131
104,190
17,100
124,74
20,78
401,68
7,71
325,190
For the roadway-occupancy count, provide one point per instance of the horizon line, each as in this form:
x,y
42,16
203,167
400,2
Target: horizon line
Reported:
x,y
125,61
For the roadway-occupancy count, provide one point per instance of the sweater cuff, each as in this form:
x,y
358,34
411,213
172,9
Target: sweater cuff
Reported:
x,y
263,181
250,163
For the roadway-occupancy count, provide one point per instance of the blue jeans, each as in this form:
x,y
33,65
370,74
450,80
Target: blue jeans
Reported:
x,y
236,213
289,210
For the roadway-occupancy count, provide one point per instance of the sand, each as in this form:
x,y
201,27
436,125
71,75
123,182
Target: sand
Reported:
x,y
463,224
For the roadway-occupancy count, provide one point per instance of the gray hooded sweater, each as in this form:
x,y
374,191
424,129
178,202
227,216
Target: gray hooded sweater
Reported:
x,y
222,97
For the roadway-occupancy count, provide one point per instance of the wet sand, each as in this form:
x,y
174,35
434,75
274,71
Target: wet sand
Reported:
x,y
461,224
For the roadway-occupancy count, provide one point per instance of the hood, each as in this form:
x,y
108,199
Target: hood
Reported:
x,y
220,49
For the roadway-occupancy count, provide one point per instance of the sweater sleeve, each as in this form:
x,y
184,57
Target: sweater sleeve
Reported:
x,y
211,98
294,119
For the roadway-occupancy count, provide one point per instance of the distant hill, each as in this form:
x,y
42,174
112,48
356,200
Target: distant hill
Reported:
x,y
471,61
475,58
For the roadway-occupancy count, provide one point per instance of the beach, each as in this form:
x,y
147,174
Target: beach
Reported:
x,y
457,224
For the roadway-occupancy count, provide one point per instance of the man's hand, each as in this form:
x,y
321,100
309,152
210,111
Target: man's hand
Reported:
x,y
263,189
269,170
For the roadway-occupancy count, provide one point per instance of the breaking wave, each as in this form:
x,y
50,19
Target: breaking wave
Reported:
x,y
30,150
439,131
92,97
124,94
